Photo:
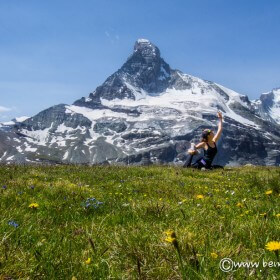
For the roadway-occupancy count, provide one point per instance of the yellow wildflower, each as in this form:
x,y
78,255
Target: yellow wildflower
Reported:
x,y
170,233
273,246
199,196
214,255
33,205
88,261
170,239
263,214
268,192
277,215
239,204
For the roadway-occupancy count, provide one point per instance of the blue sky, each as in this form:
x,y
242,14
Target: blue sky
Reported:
x,y
55,52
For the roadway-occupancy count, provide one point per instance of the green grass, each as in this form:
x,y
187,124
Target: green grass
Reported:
x,y
124,236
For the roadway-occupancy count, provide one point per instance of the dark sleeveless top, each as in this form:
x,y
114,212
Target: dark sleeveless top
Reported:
x,y
210,153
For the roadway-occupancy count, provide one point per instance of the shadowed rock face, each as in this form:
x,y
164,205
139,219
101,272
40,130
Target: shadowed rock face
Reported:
x,y
144,69
147,113
267,100
53,117
267,106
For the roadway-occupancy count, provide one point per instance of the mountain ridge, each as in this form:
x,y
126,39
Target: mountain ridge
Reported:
x,y
147,112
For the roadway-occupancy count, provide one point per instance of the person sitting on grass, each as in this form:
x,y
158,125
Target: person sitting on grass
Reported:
x,y
208,143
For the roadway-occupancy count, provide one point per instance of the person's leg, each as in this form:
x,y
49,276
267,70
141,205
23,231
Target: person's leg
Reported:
x,y
199,163
188,161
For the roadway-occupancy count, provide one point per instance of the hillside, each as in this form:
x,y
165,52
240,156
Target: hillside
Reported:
x,y
109,222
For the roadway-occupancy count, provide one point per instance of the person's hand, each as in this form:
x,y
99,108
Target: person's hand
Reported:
x,y
192,152
219,114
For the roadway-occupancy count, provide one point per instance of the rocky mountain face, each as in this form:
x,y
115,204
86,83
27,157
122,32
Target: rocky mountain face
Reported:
x,y
268,106
147,113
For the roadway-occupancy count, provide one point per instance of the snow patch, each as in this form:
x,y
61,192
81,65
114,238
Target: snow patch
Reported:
x,y
29,148
93,114
143,41
181,100
19,149
63,128
138,93
22,119
66,155
3,155
10,158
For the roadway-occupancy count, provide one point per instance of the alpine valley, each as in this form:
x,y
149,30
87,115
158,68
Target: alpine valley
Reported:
x,y
147,113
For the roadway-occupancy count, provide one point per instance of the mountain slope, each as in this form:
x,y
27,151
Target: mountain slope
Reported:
x,y
147,112
268,105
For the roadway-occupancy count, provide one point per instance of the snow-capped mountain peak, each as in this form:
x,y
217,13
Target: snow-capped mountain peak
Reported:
x,y
268,105
146,49
145,111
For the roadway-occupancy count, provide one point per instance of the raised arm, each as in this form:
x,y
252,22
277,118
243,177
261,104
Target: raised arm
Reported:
x,y
220,127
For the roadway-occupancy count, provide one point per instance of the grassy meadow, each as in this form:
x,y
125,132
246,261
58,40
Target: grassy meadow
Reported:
x,y
150,222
